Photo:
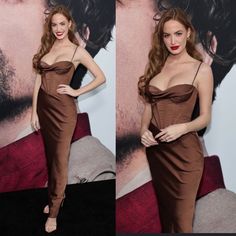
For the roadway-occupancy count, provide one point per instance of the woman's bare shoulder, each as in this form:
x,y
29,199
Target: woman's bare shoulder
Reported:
x,y
81,49
82,52
205,75
205,69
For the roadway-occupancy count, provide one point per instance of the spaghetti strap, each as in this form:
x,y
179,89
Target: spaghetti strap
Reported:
x,y
196,72
74,53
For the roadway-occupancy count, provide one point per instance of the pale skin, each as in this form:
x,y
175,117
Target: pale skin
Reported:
x,y
178,69
62,50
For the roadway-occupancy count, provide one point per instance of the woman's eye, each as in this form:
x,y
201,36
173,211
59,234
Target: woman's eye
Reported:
x,y
166,35
179,33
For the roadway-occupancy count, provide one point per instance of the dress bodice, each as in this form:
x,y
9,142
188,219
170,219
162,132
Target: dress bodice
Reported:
x,y
173,105
60,72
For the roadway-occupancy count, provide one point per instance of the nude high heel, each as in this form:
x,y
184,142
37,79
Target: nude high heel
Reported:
x,y
46,209
51,224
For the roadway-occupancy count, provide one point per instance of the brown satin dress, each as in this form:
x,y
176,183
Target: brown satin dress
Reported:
x,y
57,117
176,166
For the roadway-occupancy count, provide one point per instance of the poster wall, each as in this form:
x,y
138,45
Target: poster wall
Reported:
x,y
22,158
216,42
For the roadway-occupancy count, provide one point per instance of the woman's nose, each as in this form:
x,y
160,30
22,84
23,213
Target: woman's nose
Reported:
x,y
172,40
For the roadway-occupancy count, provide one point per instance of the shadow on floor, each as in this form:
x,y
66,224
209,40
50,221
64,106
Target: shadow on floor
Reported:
x,y
88,210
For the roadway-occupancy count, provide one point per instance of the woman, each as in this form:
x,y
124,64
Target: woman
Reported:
x,y
174,79
53,108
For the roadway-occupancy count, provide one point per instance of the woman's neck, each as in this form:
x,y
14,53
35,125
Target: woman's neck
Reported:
x,y
62,42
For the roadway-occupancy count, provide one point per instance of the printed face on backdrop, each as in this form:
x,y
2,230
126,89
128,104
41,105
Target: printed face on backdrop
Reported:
x,y
133,43
134,20
21,30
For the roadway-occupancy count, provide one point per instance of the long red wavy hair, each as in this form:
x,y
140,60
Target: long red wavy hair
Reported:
x,y
48,37
159,53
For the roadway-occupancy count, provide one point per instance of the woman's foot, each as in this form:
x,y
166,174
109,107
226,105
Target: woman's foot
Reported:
x,y
46,209
51,224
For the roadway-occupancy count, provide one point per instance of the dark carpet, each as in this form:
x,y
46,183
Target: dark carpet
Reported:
x,y
88,210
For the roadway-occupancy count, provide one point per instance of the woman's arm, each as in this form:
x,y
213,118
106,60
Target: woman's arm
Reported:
x,y
204,84
147,138
84,58
34,116
146,118
205,91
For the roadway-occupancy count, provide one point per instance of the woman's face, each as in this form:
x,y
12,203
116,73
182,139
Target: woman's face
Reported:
x,y
175,36
60,26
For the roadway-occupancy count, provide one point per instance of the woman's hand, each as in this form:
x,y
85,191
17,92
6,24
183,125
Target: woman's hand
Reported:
x,y
66,89
147,139
35,121
171,132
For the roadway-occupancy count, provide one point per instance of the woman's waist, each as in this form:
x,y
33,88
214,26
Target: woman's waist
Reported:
x,y
187,140
54,82
51,88
47,94
163,123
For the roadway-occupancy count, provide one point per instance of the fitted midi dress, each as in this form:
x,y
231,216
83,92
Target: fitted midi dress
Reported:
x,y
176,166
57,117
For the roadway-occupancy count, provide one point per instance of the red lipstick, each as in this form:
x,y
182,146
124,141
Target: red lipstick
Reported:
x,y
59,34
174,47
